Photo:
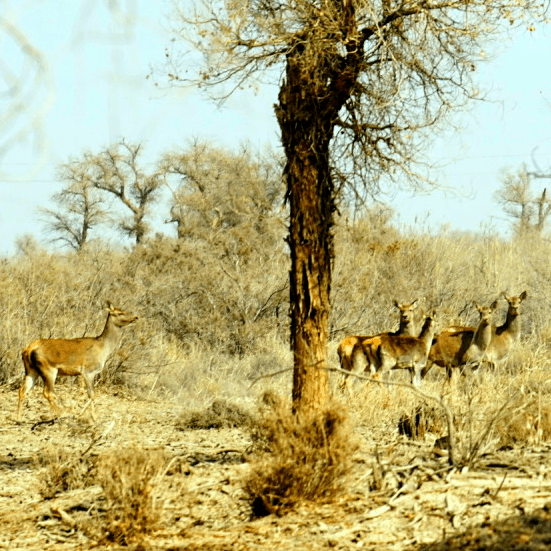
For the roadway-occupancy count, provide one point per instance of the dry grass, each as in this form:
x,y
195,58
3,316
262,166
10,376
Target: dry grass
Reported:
x,y
298,458
397,490
64,471
477,415
212,323
131,481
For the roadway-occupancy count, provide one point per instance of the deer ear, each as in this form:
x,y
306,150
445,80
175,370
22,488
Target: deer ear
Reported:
x,y
108,305
494,305
523,295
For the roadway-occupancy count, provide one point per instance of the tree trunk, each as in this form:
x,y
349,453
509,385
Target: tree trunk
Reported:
x,y
305,135
310,280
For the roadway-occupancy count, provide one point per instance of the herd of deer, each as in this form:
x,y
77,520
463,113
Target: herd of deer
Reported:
x,y
454,347
451,348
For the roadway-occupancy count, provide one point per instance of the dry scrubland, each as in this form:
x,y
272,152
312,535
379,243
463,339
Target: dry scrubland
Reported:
x,y
193,447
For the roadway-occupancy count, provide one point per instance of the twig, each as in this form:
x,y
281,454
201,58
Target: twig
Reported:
x,y
263,307
452,458
269,375
86,406
65,517
500,485
490,424
107,430
46,422
381,382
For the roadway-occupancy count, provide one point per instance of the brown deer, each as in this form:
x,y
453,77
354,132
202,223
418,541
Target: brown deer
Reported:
x,y
403,352
351,349
463,346
506,335
84,357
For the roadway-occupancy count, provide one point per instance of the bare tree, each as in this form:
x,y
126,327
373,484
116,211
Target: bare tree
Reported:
x,y
27,245
216,190
360,84
119,173
80,207
528,209
116,171
226,206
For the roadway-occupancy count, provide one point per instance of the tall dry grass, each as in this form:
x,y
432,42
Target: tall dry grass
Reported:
x,y
213,312
449,270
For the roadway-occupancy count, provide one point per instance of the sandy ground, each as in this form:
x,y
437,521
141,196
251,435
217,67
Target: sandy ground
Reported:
x,y
417,502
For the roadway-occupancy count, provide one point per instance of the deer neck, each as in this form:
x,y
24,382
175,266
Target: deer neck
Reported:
x,y
483,334
511,325
406,328
427,333
110,335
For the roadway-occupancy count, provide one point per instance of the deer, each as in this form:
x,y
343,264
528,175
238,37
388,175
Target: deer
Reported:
x,y
85,357
351,349
405,352
459,346
506,335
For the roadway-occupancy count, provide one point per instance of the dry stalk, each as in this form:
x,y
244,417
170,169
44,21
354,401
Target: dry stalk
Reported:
x,y
455,459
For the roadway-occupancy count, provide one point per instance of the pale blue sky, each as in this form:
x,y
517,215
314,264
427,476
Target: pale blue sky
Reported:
x,y
94,92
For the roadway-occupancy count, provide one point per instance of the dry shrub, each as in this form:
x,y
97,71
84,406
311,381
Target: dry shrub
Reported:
x,y
131,481
64,471
422,419
528,422
377,407
300,458
220,414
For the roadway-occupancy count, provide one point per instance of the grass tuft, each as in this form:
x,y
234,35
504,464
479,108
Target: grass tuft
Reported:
x,y
131,481
299,458
64,471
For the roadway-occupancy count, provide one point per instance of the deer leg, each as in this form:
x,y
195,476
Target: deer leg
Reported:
x,y
467,370
30,379
48,392
426,369
385,362
89,383
343,384
415,373
384,369
357,364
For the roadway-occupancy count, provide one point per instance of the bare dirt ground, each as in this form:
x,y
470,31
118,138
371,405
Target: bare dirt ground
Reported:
x,y
402,496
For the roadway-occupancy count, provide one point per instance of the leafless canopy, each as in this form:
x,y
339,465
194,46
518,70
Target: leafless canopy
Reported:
x,y
114,172
391,67
79,208
213,189
527,208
